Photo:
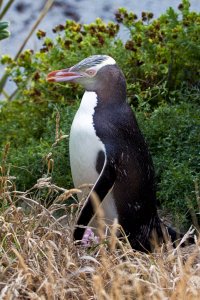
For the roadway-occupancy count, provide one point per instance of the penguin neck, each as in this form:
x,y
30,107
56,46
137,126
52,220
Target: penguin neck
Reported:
x,y
113,94
88,103
92,100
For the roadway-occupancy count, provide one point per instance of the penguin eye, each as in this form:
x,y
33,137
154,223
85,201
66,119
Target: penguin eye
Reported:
x,y
90,72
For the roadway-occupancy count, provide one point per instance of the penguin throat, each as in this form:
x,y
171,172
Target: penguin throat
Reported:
x,y
111,95
88,102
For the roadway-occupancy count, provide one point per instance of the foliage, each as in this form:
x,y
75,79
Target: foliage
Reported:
x,y
31,133
160,60
164,49
4,33
173,136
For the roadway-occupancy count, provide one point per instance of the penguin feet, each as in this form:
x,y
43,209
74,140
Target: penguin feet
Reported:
x,y
177,237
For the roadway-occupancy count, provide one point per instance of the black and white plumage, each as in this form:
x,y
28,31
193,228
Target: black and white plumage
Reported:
x,y
108,150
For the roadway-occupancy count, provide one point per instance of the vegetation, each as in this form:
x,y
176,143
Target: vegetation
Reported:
x,y
4,33
161,63
38,259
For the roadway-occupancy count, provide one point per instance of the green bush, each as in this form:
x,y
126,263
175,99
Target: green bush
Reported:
x,y
161,62
30,129
173,135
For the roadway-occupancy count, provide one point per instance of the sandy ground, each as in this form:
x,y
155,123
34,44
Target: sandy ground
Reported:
x,y
23,14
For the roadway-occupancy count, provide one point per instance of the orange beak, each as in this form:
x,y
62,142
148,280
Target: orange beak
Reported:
x,y
62,76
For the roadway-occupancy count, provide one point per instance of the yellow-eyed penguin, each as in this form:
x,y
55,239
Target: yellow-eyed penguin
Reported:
x,y
108,150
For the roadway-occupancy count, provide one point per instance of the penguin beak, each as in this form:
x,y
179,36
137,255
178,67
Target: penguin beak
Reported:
x,y
63,75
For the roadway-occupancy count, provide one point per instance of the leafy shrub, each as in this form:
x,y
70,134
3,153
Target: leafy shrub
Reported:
x,y
164,49
30,129
161,63
173,136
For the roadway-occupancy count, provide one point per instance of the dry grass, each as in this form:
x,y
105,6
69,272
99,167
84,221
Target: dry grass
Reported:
x,y
39,260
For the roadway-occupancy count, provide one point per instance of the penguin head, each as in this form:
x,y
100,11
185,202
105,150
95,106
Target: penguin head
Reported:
x,y
93,73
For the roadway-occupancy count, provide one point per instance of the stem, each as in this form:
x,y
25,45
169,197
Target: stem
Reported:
x,y
3,81
1,2
37,22
13,94
6,8
5,94
43,13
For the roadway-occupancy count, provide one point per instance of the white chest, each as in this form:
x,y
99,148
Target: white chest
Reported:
x,y
84,145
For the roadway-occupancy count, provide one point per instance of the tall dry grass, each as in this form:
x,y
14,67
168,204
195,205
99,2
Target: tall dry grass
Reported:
x,y
39,260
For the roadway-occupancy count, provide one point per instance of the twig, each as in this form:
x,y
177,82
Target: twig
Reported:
x,y
43,13
39,205
6,8
5,94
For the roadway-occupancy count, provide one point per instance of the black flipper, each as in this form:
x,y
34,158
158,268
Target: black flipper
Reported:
x,y
101,188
